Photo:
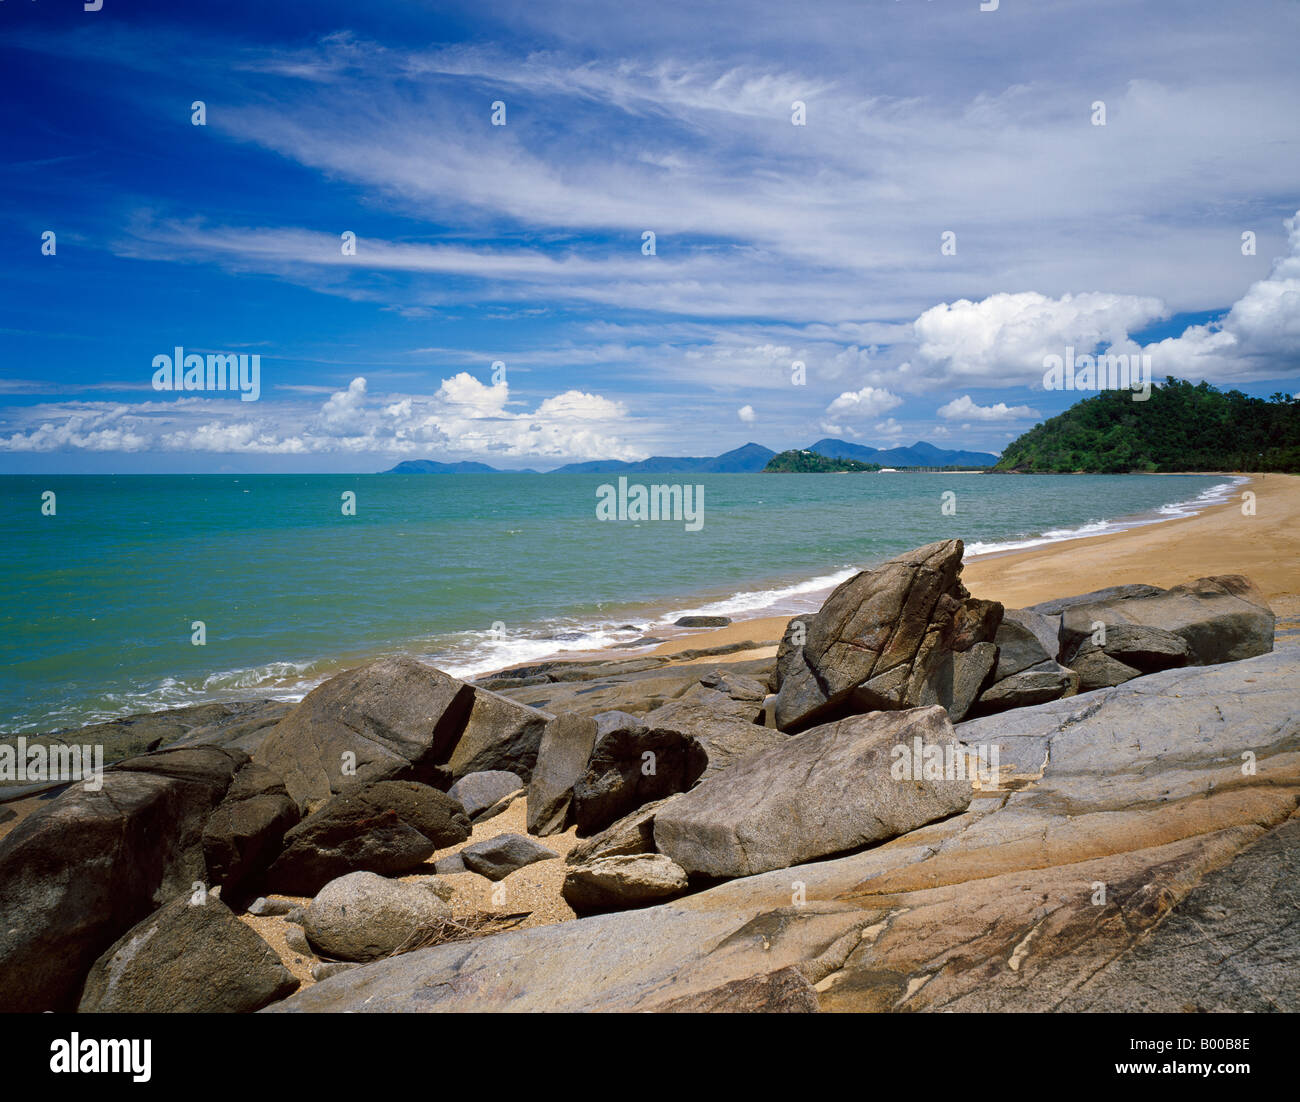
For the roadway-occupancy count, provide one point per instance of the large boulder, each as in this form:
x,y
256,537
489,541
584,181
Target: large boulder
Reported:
x,y
1220,619
500,734
1129,650
241,839
630,765
187,957
363,916
617,883
333,848
835,788
905,634
1112,594
561,760
389,828
391,719
78,873
439,816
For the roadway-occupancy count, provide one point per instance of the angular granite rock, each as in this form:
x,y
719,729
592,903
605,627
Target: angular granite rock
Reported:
x,y
630,765
78,873
724,737
634,833
1025,638
561,760
891,638
485,793
187,958
1129,651
1036,685
388,827
733,694
497,857
500,734
1098,670
616,883
436,815
241,839
1221,619
394,718
835,788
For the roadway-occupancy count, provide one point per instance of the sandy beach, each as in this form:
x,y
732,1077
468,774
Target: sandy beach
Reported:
x,y
1221,540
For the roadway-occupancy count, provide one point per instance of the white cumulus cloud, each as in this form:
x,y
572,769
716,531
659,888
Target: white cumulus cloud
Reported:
x,y
966,407
1001,340
870,401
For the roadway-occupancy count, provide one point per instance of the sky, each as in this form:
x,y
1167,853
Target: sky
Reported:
x,y
912,199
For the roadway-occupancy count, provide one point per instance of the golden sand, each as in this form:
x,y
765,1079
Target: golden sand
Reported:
x,y
535,888
1221,540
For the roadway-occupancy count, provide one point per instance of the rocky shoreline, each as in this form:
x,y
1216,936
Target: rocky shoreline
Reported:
x,y
924,800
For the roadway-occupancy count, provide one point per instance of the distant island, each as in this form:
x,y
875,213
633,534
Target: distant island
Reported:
x,y
806,462
750,458
429,466
1181,427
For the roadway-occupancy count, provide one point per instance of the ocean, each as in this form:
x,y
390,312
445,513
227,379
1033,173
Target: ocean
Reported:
x,y
100,600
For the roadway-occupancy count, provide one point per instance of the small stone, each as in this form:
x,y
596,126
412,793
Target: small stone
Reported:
x,y
496,858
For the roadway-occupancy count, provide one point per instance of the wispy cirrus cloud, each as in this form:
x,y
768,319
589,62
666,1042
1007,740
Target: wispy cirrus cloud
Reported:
x,y
776,243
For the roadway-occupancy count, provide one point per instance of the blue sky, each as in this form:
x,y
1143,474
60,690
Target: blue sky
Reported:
x,y
523,243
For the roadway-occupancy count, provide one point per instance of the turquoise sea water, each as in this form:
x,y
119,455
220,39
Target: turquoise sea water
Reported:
x,y
470,572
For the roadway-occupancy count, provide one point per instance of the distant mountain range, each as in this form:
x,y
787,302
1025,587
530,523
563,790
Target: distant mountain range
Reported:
x,y
919,454
747,459
742,460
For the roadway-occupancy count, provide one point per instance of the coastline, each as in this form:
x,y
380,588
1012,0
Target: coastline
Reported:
x,y
1074,557
1217,540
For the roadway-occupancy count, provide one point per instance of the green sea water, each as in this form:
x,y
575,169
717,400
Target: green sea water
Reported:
x,y
471,572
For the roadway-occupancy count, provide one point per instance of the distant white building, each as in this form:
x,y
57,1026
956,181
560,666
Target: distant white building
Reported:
x,y
887,470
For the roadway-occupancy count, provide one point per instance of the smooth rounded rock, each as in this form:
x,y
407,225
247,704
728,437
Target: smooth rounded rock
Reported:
x,y
363,916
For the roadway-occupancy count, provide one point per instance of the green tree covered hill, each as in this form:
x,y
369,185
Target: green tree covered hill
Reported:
x,y
804,462
1181,427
